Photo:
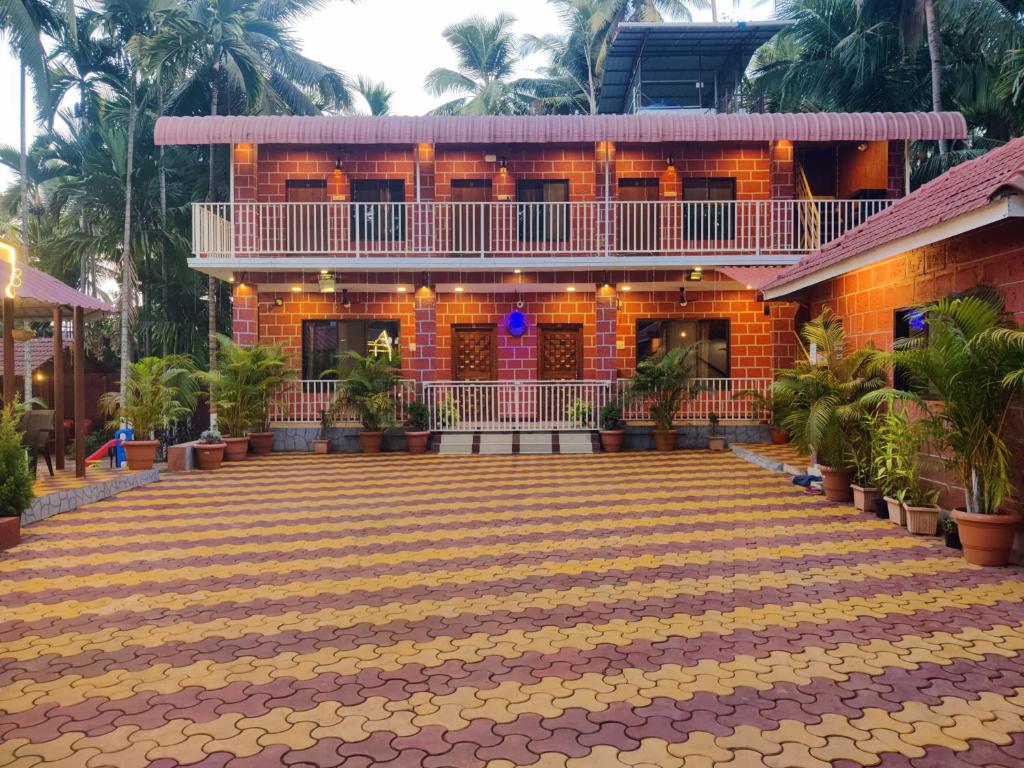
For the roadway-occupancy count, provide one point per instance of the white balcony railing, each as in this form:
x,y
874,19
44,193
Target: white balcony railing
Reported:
x,y
664,227
509,406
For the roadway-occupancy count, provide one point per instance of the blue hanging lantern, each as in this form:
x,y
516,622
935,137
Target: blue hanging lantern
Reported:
x,y
515,323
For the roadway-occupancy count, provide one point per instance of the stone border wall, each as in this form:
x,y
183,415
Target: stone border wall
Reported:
x,y
65,501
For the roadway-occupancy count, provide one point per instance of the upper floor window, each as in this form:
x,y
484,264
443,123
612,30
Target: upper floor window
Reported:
x,y
655,337
378,214
324,340
543,209
708,221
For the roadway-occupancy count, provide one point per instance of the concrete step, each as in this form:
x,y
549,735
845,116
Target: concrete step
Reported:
x,y
509,443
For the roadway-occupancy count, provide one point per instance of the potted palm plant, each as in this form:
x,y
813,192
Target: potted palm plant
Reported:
x,y
896,443
16,490
271,371
367,388
158,391
322,443
716,442
865,474
209,450
417,426
664,382
825,392
612,427
972,360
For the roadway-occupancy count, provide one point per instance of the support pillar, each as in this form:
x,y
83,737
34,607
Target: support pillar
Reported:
x,y
244,314
79,364
424,362
606,312
784,333
59,448
8,350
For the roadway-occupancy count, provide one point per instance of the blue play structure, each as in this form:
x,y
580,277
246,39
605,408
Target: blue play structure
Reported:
x,y
113,449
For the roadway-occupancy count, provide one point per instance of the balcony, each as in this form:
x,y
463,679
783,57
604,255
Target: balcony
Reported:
x,y
745,228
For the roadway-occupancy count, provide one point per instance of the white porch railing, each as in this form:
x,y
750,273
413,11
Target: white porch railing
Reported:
x,y
302,401
718,396
594,228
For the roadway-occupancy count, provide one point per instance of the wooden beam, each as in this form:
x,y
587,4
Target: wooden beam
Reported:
x,y
58,388
9,388
79,363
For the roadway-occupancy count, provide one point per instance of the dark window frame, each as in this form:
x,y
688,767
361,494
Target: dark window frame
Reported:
x,y
365,226
541,223
709,223
665,321
306,353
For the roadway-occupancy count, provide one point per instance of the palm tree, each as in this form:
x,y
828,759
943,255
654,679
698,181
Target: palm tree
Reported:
x,y
484,83
376,94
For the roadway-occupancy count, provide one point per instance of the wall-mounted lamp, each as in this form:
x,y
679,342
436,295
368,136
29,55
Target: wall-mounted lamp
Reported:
x,y
338,164
424,282
503,164
696,276
278,302
670,161
231,278
346,302
767,310
326,281
682,296
862,147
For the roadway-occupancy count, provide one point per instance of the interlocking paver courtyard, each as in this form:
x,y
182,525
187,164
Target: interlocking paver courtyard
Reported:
x,y
634,609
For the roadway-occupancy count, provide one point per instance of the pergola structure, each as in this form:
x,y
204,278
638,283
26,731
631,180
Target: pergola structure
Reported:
x,y
29,294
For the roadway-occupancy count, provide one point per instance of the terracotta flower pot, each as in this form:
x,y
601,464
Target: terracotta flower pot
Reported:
x,y
370,442
140,453
417,441
864,498
897,512
611,440
321,446
235,448
10,531
261,443
209,455
779,436
835,481
716,443
923,521
987,539
664,439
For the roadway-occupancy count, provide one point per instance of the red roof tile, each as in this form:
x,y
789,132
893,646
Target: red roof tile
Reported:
x,y
40,348
333,129
960,190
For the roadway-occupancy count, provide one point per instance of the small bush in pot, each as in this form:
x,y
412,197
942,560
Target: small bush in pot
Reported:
x,y
897,440
580,413
826,396
209,450
664,382
972,360
16,483
716,442
613,428
865,479
322,443
417,426
159,390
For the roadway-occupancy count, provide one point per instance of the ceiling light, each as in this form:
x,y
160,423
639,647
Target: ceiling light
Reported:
x,y
571,288
627,287
296,288
326,283
231,279
324,272
401,289
696,276
459,289
750,287
518,271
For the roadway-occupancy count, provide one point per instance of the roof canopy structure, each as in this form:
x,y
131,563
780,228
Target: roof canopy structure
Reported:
x,y
562,129
40,292
968,196
679,64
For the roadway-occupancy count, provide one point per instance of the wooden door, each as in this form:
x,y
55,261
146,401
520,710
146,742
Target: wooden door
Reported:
x,y
638,220
560,356
474,353
470,219
306,218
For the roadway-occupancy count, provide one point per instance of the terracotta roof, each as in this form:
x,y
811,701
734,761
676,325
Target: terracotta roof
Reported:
x,y
333,129
962,189
40,348
40,292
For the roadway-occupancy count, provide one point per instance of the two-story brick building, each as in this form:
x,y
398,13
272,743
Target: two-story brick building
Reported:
x,y
535,258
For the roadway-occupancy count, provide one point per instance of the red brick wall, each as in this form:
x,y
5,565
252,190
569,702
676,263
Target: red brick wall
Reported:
x,y
749,164
750,331
278,163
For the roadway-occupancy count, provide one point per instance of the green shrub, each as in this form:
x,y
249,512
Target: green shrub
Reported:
x,y
579,413
15,479
417,417
611,416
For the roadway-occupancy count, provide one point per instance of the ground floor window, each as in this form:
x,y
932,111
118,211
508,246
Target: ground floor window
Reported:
x,y
656,336
324,340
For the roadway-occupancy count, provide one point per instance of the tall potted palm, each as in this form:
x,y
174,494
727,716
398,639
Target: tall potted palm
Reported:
x,y
972,359
158,391
826,395
238,391
271,372
367,388
664,382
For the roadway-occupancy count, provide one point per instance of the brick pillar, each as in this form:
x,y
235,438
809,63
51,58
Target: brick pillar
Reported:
x,y
896,178
605,319
424,359
782,187
244,314
784,333
244,160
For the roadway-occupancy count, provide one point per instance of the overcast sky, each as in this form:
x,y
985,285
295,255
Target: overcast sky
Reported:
x,y
397,41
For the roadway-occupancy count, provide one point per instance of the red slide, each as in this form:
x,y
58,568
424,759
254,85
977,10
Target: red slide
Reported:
x,y
100,453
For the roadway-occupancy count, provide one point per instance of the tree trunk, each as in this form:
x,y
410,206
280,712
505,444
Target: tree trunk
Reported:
x,y
931,18
212,281
84,265
23,164
127,271
714,11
